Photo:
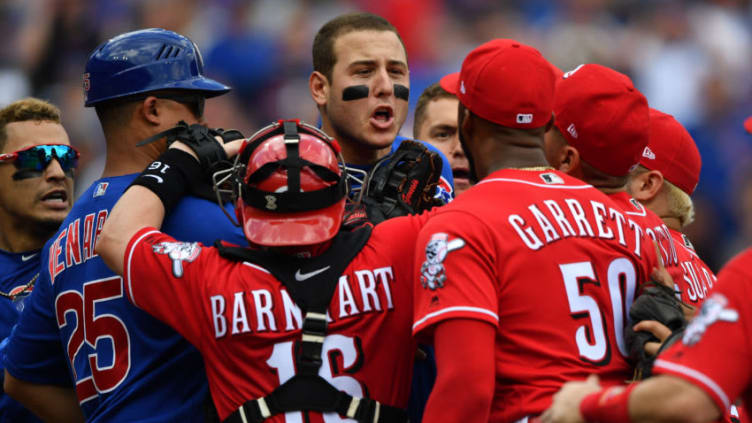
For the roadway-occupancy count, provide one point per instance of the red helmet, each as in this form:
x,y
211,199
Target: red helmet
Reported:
x,y
292,190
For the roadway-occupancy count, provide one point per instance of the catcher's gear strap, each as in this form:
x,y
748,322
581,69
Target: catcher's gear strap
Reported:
x,y
170,176
291,200
307,391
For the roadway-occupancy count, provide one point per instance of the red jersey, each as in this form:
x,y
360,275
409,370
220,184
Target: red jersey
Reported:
x,y
548,260
721,329
653,226
692,277
244,322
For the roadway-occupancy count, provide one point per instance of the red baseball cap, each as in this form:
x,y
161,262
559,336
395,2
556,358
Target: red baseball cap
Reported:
x,y
672,151
748,124
506,82
450,83
600,113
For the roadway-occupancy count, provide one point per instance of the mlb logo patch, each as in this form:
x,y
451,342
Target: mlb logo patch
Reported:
x,y
101,189
551,178
462,87
524,118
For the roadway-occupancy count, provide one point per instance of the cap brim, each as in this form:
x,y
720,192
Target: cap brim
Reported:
x,y
748,124
288,229
450,83
209,87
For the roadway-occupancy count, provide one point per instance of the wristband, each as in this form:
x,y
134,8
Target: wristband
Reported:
x,y
609,405
170,176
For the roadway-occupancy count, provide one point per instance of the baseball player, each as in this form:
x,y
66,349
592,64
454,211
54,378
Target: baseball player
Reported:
x,y
668,173
599,134
78,326
361,85
36,192
309,319
698,377
532,289
436,123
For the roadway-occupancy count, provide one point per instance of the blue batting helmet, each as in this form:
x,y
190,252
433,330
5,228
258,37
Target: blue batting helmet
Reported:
x,y
146,60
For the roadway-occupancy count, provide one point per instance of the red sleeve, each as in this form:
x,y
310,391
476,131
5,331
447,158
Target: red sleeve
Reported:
x,y
721,327
455,271
465,372
164,277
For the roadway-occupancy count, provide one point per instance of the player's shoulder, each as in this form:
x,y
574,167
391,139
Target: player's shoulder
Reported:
x,y
197,219
740,266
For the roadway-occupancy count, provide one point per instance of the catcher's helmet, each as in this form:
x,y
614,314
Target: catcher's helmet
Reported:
x,y
146,60
292,189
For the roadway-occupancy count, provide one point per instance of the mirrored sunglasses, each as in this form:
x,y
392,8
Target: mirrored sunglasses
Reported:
x,y
39,157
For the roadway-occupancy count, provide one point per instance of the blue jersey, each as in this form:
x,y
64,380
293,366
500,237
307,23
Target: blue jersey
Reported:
x,y
79,326
444,189
18,271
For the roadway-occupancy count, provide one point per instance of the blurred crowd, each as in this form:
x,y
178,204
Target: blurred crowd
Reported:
x,y
692,59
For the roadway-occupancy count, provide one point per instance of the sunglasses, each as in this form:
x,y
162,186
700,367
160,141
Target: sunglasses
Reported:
x,y
39,157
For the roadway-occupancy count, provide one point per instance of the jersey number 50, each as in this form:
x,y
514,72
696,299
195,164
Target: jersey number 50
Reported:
x,y
593,344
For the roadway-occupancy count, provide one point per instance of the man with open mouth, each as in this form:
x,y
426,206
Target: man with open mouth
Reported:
x,y
36,192
361,86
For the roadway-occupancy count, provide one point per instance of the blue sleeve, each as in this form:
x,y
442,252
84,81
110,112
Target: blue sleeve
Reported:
x,y
181,223
34,352
445,188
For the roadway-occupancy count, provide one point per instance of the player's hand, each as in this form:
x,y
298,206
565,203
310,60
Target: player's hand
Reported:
x,y
660,274
658,329
566,405
231,147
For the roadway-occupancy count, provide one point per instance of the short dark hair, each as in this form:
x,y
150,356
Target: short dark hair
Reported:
x,y
26,109
323,43
433,92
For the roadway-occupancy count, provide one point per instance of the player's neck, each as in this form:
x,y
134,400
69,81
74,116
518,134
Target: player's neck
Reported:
x,y
357,154
302,251
506,156
123,157
15,238
672,222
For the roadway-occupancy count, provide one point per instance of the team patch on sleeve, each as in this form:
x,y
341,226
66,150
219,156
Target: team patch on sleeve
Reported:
x,y
432,274
713,310
178,252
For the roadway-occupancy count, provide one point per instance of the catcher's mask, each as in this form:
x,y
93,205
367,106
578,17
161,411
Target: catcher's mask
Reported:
x,y
290,185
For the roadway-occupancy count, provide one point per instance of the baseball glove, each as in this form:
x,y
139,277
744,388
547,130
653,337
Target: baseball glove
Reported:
x,y
656,302
403,183
211,155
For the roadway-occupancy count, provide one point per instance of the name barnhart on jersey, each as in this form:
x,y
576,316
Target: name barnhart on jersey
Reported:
x,y
262,310
553,220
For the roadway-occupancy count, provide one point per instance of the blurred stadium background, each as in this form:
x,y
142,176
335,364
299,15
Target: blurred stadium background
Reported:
x,y
692,59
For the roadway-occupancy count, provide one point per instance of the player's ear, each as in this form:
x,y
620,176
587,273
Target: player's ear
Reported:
x,y
149,110
646,185
653,183
319,86
570,159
